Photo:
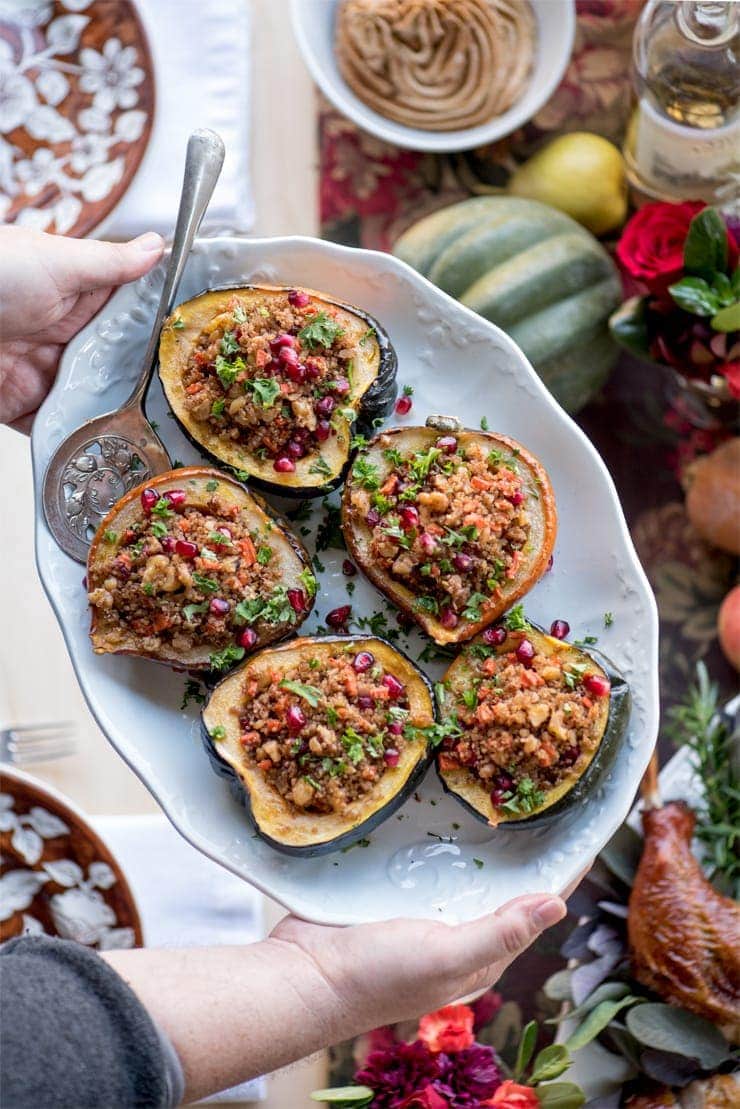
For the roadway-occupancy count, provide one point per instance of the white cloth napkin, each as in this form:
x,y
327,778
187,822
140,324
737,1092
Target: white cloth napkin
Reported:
x,y
184,899
201,54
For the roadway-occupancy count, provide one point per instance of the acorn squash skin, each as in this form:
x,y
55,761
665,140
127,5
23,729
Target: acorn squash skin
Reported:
x,y
195,478
584,787
249,787
542,506
375,403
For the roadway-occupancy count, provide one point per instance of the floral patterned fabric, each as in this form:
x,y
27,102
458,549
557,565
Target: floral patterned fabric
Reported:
x,y
369,193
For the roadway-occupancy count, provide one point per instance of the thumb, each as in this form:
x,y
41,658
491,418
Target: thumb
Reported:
x,y
509,931
81,265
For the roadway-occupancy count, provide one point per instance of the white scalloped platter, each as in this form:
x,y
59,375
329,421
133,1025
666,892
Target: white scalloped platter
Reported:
x,y
431,859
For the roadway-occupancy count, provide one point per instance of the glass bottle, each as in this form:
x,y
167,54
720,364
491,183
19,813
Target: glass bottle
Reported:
x,y
683,142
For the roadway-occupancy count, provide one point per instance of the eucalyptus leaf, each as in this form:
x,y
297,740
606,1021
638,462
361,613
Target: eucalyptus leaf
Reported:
x,y
605,940
526,1049
551,1062
356,1096
695,295
560,1095
727,319
557,987
588,976
668,1028
705,249
628,326
576,945
613,908
597,1020
666,1066
607,991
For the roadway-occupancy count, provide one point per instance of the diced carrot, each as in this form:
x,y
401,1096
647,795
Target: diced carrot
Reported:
x,y
161,621
246,546
587,702
194,388
350,683
447,762
390,483
184,523
480,483
250,739
264,764
261,357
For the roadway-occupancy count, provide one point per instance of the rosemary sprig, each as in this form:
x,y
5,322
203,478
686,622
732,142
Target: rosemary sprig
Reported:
x,y
698,724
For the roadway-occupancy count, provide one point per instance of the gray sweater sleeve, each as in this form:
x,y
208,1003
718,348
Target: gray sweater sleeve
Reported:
x,y
72,1033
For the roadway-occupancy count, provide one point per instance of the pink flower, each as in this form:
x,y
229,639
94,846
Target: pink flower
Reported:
x,y
449,1029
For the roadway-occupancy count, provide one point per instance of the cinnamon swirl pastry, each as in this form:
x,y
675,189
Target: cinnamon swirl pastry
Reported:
x,y
439,65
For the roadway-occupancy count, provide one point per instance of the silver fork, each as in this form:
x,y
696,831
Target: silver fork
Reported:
x,y
27,743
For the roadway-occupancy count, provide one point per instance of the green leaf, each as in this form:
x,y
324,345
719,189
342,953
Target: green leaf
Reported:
x,y
356,1096
227,371
695,295
628,326
561,1095
266,390
668,1028
727,319
308,692
516,621
558,986
221,660
551,1062
607,991
320,331
705,249
526,1049
597,1020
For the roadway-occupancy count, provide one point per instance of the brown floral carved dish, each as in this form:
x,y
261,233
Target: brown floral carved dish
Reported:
x,y
56,875
76,109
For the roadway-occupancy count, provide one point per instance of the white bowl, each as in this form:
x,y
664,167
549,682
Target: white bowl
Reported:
x,y
432,859
313,23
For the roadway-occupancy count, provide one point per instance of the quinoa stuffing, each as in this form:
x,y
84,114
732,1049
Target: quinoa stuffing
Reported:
x,y
524,722
186,575
450,523
276,378
325,730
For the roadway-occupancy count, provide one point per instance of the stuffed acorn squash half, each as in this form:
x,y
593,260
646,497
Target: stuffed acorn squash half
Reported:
x,y
452,525
275,382
322,738
532,723
193,570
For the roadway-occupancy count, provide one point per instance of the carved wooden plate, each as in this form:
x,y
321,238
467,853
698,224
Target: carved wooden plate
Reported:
x,y
76,109
56,874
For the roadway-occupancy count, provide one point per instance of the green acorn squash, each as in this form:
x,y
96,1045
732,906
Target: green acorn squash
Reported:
x,y
310,783
541,718
275,382
534,272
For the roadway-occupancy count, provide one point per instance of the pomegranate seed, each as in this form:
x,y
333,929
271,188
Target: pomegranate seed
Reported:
x,y
447,443
296,450
494,636
348,568
168,544
325,406
312,369
517,498
550,562
373,518
391,757
287,356
176,497
428,542
340,386
395,727
296,371
504,782
597,685
282,341
559,629
295,718
284,465
409,517
322,430
149,498
297,600
185,548
403,406
462,562
394,687
219,607
338,617
448,618
525,652
364,701
247,638
363,660
298,299
498,797
568,756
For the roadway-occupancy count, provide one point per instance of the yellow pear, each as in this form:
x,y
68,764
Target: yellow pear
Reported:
x,y
582,175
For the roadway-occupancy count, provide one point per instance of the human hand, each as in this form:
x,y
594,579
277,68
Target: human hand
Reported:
x,y
398,970
50,287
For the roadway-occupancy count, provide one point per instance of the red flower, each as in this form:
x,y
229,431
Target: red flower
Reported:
x,y
510,1095
449,1029
425,1099
651,247
731,370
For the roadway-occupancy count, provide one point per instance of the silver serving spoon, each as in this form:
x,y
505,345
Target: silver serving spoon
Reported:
x,y
110,454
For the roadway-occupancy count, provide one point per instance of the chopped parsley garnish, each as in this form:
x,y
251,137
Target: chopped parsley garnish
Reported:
x,y
264,554
137,548
332,716
329,532
227,371
217,408
393,455
608,619
312,782
516,621
320,331
369,334
229,344
148,588
358,443
211,486
587,641
318,564
162,509
308,581
159,528
472,610
178,323
457,538
205,584
189,611
484,423
220,538
240,475
427,604
239,315
470,698
394,531
423,461
353,742
525,799
219,732
381,502
192,692
266,390
478,864
308,692
275,609
574,673
221,660
366,474
377,625
434,734
408,390
320,466
110,536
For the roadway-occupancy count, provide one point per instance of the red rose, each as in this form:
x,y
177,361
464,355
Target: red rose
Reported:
x,y
651,247
731,371
449,1029
510,1095
428,1098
